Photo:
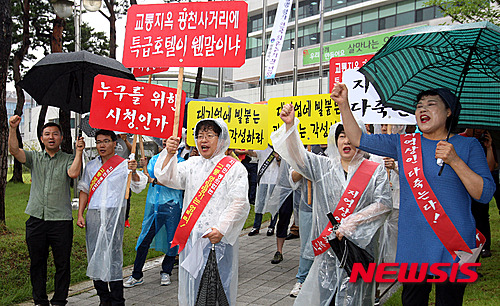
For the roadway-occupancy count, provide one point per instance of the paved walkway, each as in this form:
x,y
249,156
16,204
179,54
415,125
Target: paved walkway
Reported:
x,y
259,283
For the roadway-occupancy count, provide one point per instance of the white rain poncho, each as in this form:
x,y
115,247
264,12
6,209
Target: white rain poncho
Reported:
x,y
267,181
389,232
105,219
325,278
227,211
163,207
281,191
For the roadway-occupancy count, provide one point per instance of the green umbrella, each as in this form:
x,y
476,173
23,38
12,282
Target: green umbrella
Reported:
x,y
464,58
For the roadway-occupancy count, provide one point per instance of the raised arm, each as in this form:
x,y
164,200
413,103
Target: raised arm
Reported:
x,y
352,130
13,143
76,166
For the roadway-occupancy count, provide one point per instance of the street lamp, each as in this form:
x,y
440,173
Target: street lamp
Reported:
x,y
92,5
63,8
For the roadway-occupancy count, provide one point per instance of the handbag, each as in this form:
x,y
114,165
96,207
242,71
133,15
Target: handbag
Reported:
x,y
347,252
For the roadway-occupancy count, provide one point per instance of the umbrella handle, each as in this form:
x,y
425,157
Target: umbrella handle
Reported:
x,y
213,246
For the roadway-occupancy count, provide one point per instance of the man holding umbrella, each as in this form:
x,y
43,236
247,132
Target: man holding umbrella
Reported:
x,y
49,206
435,219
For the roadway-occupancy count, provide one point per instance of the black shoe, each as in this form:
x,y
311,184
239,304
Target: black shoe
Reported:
x,y
291,236
253,232
278,257
485,253
270,231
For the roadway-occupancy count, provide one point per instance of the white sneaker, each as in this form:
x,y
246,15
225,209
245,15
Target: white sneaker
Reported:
x,y
165,279
131,282
296,289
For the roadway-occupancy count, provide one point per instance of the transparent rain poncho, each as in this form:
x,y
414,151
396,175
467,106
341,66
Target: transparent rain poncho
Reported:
x,y
327,176
281,190
227,211
163,207
105,219
389,232
267,182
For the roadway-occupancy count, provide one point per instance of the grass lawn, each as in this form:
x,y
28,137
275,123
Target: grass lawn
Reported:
x,y
15,284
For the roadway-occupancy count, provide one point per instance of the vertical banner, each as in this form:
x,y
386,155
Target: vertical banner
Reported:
x,y
277,38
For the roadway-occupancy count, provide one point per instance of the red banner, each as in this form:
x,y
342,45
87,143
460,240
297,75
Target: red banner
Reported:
x,y
142,71
347,204
134,107
340,64
443,227
103,173
200,200
188,34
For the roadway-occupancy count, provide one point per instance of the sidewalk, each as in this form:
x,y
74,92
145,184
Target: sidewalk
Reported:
x,y
259,283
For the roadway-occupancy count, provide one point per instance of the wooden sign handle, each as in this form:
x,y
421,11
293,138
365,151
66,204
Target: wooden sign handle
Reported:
x,y
129,178
309,184
178,101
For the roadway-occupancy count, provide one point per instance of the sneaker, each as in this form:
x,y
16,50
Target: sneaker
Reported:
x,y
270,231
127,224
165,279
278,257
296,289
253,232
131,282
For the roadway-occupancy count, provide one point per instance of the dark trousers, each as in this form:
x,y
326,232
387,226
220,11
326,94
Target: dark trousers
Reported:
x,y
481,214
127,211
258,221
252,180
40,235
447,294
142,252
284,216
110,292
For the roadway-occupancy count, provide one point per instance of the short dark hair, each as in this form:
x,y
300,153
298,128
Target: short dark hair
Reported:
x,y
451,121
106,133
49,124
207,125
340,129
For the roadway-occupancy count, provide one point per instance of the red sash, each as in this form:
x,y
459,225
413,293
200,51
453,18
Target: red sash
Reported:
x,y
200,200
102,173
347,203
445,230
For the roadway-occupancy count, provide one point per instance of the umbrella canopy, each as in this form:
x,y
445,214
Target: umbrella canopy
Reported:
x,y
66,80
211,292
464,58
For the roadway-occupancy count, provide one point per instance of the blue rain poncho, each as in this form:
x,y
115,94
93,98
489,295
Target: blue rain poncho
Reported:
x,y
163,206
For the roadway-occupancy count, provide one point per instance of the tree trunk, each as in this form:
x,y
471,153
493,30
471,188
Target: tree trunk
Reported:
x,y
41,122
197,85
5,46
112,29
17,174
65,123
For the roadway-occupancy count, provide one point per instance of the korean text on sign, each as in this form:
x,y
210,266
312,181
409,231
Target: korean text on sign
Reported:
x,y
188,34
247,123
133,107
340,64
316,114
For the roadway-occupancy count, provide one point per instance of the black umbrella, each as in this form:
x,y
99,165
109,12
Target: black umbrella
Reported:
x,y
347,252
211,292
66,80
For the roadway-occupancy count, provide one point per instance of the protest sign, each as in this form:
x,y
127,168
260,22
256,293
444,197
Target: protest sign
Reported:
x,y
247,123
133,107
366,104
340,64
316,114
142,71
187,34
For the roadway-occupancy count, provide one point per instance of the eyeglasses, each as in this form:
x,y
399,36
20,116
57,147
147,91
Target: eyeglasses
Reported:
x,y
207,136
105,141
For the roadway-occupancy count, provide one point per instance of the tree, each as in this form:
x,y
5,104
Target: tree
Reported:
x,y
22,9
116,9
469,11
5,45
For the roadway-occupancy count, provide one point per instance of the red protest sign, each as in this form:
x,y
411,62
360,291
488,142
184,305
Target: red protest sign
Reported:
x,y
187,34
133,107
340,64
142,71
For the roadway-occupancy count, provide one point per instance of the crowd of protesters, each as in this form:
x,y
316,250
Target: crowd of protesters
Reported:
x,y
199,198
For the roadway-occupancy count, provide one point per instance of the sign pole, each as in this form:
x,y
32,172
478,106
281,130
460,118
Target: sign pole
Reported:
x,y
309,184
129,178
178,100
